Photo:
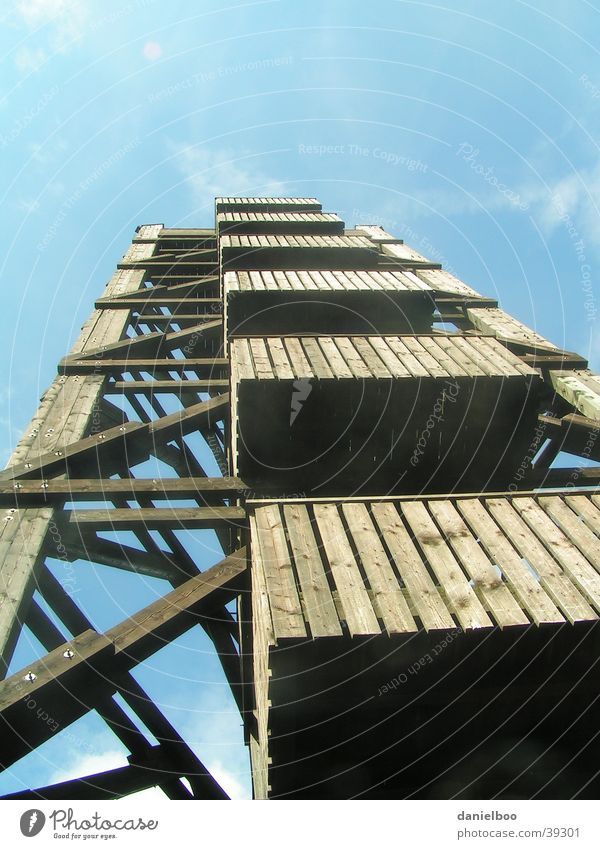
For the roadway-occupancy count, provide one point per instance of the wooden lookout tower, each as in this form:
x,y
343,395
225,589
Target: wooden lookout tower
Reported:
x,y
408,595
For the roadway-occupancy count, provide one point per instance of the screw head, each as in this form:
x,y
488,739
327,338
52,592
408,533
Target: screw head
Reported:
x,y
69,654
31,676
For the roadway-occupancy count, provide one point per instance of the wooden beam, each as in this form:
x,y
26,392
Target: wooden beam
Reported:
x,y
172,387
78,675
575,434
156,301
178,318
149,343
131,439
155,518
140,774
153,365
27,493
579,388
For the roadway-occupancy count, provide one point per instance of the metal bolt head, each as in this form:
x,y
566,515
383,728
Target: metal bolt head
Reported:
x,y
31,676
69,653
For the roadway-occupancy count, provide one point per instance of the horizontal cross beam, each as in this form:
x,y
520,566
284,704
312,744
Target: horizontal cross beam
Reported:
x,y
176,387
156,518
39,492
158,364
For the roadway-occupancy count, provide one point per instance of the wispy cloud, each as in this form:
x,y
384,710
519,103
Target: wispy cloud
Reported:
x,y
223,172
29,59
573,197
56,25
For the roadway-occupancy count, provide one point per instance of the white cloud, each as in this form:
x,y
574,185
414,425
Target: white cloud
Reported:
x,y
83,765
60,22
228,780
224,172
572,200
28,59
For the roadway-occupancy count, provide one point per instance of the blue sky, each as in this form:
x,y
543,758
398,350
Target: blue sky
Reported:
x,y
469,130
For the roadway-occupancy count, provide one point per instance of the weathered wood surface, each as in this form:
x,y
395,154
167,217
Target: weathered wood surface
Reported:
x,y
325,281
65,413
505,327
401,565
581,388
378,357
265,204
80,675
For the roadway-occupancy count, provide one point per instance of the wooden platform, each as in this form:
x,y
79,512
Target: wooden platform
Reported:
x,y
352,414
265,302
405,647
303,223
261,204
269,252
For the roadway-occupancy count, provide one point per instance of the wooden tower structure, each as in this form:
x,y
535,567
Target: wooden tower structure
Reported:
x,y
416,587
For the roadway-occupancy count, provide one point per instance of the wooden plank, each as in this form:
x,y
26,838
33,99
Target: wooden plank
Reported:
x,y
504,326
393,364
152,365
585,539
408,359
318,601
354,598
424,356
301,366
581,395
559,587
281,364
427,601
53,491
467,358
376,366
262,362
485,577
524,586
130,518
241,359
351,356
465,604
174,387
448,360
315,356
388,598
334,358
266,529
